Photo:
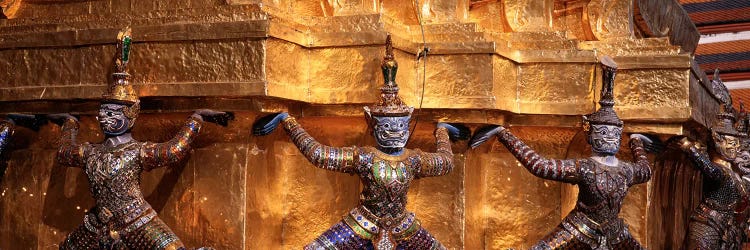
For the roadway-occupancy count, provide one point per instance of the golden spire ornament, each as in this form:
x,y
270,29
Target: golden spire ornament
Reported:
x,y
119,89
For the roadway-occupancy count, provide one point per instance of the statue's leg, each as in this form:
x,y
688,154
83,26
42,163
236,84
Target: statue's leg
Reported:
x,y
702,236
560,238
420,240
339,236
153,235
80,238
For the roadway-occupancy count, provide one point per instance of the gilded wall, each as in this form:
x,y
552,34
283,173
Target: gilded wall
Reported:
x,y
528,64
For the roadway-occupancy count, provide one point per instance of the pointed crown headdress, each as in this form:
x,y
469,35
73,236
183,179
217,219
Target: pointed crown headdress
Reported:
x,y
390,104
725,122
720,89
606,114
119,89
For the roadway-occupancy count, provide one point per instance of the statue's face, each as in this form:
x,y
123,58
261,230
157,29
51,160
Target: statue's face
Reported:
x,y
112,119
391,132
727,146
743,159
605,139
742,162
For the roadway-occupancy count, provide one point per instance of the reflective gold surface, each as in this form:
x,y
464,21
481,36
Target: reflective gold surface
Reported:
x,y
529,64
508,197
8,8
334,56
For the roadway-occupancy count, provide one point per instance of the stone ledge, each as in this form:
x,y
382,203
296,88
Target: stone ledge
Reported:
x,y
515,65
153,33
94,92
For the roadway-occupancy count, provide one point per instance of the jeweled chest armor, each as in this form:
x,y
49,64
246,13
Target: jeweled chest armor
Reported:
x,y
114,174
386,181
603,189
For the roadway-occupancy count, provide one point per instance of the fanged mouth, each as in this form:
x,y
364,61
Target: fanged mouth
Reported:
x,y
389,134
604,144
610,140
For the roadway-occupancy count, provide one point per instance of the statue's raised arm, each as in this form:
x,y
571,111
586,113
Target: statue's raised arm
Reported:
x,y
552,169
339,159
6,131
641,164
702,161
440,162
7,127
70,153
165,154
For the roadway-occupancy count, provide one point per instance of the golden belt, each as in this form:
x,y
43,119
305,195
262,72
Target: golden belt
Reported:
x,y
384,232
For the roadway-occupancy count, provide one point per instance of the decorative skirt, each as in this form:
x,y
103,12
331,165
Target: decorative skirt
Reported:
x,y
133,227
360,229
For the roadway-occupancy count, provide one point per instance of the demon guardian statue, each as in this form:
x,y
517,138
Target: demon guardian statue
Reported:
x,y
121,217
381,220
602,179
720,221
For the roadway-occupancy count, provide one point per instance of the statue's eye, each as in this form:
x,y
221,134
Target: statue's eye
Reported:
x,y
401,125
109,113
387,125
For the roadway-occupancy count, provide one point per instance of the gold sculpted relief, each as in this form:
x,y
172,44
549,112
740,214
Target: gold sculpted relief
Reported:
x,y
606,18
350,7
529,15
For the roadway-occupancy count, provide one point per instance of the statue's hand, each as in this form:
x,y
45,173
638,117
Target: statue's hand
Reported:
x,y
213,116
60,118
455,131
265,125
484,134
25,120
685,143
651,143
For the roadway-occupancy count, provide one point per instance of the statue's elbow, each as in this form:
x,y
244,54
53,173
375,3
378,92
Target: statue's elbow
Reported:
x,y
448,168
647,176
